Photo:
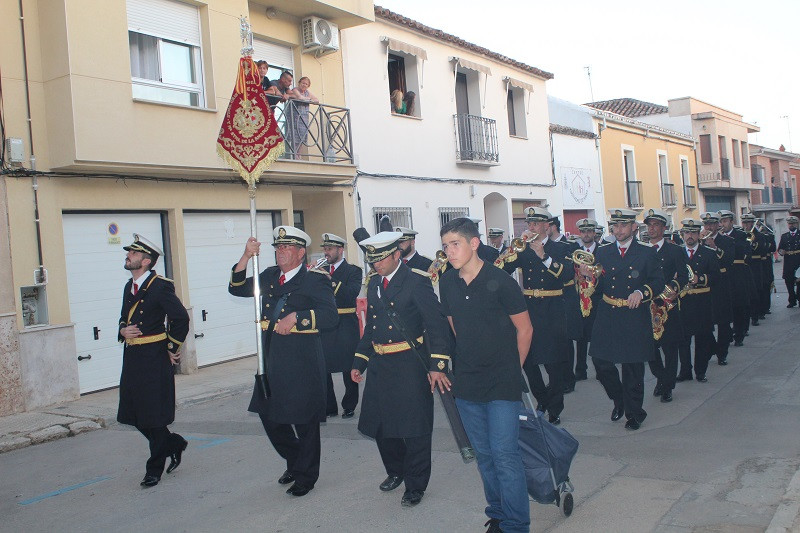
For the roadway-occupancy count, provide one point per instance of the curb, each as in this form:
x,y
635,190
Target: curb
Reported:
x,y
71,428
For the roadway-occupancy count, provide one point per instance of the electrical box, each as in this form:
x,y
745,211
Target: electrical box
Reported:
x,y
34,305
15,148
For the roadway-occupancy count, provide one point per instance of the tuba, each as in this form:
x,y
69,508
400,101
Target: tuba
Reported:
x,y
438,266
515,246
585,287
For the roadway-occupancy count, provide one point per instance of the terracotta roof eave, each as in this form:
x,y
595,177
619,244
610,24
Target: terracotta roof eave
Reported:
x,y
390,16
573,132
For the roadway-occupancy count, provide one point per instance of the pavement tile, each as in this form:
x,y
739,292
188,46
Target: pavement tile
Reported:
x,y
48,434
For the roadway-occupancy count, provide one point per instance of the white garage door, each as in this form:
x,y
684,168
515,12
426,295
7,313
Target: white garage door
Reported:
x,y
223,324
95,278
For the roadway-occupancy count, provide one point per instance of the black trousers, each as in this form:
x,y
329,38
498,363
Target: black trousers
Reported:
x,y
667,370
409,457
581,351
550,397
628,393
569,374
703,350
766,297
791,287
741,322
162,445
299,445
350,398
723,342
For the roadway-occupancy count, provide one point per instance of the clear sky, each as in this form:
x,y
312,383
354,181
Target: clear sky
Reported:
x,y
739,55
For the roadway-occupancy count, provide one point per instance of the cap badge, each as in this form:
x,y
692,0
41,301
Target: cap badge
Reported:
x,y
618,213
651,213
281,233
370,249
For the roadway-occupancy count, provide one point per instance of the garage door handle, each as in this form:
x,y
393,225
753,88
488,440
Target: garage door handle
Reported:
x,y
81,358
204,313
198,335
96,332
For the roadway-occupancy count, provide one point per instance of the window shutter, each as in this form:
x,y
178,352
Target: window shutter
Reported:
x,y
167,19
275,54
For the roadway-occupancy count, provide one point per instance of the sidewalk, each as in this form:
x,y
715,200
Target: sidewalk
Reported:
x,y
99,410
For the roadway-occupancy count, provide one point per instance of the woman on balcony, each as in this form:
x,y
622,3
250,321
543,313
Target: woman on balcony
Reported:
x,y
300,122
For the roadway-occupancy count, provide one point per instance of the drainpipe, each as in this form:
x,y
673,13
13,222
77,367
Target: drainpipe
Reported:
x,y
41,277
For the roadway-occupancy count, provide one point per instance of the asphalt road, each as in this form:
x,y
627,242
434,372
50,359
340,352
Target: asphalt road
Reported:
x,y
719,458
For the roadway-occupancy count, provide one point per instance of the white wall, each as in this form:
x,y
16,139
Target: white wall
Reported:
x,y
576,158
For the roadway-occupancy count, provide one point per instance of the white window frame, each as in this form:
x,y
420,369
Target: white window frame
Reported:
x,y
520,115
452,213
737,153
400,216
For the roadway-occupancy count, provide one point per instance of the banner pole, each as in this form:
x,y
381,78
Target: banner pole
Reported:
x,y
257,293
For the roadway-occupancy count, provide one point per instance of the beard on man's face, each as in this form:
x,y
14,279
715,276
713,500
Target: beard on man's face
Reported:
x,y
130,264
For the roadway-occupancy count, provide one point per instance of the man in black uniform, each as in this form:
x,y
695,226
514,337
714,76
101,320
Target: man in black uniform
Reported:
x,y
758,247
496,240
588,298
147,383
789,249
621,307
676,276
544,271
339,343
767,270
742,284
397,407
554,230
485,252
697,306
295,304
408,249
571,304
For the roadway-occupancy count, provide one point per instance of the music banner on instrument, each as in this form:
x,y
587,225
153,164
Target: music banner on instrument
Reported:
x,y
249,139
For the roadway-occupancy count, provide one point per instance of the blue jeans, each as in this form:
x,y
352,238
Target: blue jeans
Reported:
x,y
493,430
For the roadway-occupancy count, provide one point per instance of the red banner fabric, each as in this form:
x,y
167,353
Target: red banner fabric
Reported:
x,y
249,139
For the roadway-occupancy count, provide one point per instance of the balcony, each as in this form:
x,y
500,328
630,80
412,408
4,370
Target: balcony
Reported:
x,y
689,196
777,195
725,168
788,196
315,132
476,140
668,198
634,194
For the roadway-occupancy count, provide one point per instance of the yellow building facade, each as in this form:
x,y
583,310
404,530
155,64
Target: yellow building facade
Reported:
x,y
647,167
125,102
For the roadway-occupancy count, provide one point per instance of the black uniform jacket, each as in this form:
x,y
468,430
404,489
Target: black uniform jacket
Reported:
x,y
572,302
147,383
488,253
622,335
766,248
791,261
758,250
697,303
548,313
295,363
397,401
742,283
723,293
673,260
420,262
339,343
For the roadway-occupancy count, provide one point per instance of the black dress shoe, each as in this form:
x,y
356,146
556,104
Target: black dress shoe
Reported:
x,y
666,397
391,483
702,379
494,526
755,322
555,420
569,388
632,424
412,498
763,317
581,377
791,304
617,413
738,343
683,378
722,362
175,458
150,481
348,413
298,490
332,413
286,478
657,391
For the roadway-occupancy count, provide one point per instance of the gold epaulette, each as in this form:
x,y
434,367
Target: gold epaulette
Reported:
x,y
421,272
319,271
165,279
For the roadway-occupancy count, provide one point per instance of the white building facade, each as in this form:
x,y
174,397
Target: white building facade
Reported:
x,y
475,141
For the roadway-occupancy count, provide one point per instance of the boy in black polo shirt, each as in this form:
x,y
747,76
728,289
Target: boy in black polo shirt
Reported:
x,y
477,298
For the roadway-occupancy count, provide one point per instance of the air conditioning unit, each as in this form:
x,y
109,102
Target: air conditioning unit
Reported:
x,y
319,35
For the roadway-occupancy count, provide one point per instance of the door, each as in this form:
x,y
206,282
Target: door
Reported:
x,y
95,279
223,324
465,137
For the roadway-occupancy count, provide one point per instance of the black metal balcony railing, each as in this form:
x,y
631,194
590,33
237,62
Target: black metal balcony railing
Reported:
x,y
765,196
668,198
725,168
777,195
788,195
634,194
476,139
315,132
689,196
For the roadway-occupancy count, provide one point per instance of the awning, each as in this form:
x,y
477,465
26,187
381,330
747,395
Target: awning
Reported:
x,y
472,65
410,49
519,84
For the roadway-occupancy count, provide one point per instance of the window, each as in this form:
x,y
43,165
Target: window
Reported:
x,y
745,155
705,149
299,220
278,57
399,216
737,157
165,54
689,192
403,77
663,174
757,174
634,188
515,107
685,171
446,214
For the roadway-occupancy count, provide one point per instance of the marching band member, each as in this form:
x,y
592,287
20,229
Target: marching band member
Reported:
x,y
742,284
789,249
408,249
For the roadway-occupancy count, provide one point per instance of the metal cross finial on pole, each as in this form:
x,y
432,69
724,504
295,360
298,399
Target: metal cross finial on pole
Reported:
x,y
788,129
589,75
247,36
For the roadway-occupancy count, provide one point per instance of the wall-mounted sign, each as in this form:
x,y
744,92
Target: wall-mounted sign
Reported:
x,y
113,233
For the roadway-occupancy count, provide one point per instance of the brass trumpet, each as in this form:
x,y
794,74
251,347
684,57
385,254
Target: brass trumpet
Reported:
x,y
705,234
515,246
438,263
582,257
763,228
